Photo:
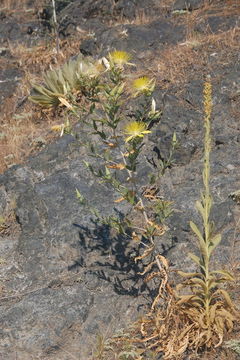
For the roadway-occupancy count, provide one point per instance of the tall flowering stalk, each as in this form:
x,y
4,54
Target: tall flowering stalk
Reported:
x,y
199,312
206,198
209,307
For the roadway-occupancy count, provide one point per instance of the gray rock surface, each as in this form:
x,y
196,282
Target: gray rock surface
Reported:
x,y
135,37
188,4
9,79
64,277
62,268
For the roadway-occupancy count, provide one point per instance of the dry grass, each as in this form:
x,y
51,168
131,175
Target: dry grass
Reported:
x,y
177,64
24,127
163,8
22,9
21,5
141,18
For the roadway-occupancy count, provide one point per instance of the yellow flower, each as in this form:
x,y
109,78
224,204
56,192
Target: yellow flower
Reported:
x,y
119,58
143,85
136,129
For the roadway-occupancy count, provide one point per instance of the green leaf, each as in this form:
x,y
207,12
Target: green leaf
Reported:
x,y
95,125
197,282
196,230
200,208
214,242
202,243
186,274
107,171
80,197
120,89
101,134
92,108
195,258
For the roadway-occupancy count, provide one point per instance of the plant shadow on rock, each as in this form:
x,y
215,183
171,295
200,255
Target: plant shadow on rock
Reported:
x,y
112,260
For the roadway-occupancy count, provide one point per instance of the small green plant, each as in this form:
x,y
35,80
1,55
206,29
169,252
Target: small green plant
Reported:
x,y
102,348
168,162
115,142
234,345
122,144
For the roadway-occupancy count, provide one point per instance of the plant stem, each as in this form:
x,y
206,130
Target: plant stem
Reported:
x,y
55,25
207,201
139,198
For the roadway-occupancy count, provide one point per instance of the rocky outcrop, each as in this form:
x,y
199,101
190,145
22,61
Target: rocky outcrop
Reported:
x,y
64,277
